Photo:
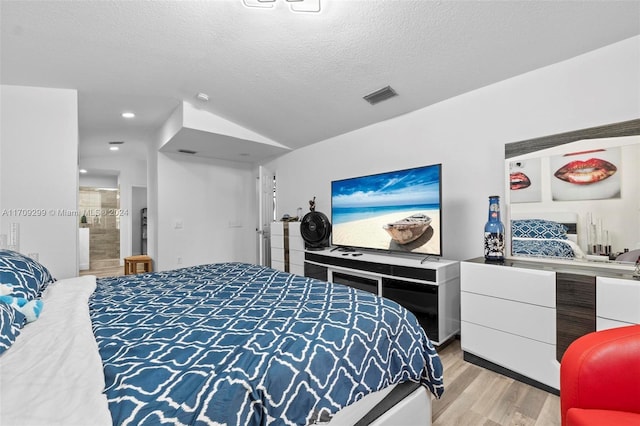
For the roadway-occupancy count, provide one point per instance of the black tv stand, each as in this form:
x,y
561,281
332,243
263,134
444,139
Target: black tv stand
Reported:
x,y
431,290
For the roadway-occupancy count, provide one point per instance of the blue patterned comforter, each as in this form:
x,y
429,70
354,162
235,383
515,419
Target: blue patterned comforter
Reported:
x,y
539,247
241,344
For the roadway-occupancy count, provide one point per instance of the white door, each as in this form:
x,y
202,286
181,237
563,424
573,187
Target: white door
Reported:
x,y
266,188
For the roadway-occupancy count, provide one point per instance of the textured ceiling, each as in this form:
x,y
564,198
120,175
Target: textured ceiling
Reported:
x,y
296,78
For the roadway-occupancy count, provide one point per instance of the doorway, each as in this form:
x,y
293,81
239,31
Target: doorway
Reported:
x,y
99,229
266,194
138,220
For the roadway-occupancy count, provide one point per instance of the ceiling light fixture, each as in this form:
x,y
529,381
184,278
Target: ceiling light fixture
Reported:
x,y
83,171
202,97
113,145
295,5
128,115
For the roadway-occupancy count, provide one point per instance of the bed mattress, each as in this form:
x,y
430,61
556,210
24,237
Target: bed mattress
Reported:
x,y
215,344
244,344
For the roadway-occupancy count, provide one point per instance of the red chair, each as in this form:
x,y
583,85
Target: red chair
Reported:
x,y
600,379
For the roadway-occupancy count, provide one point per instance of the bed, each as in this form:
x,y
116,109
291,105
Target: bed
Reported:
x,y
545,235
228,343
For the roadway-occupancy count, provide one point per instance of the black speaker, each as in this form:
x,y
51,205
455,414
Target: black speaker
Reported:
x,y
315,229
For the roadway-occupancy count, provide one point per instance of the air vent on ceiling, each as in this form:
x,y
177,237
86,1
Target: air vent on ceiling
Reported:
x,y
380,95
187,151
116,142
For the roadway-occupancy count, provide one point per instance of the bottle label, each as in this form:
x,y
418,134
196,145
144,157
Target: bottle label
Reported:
x,y
494,211
494,245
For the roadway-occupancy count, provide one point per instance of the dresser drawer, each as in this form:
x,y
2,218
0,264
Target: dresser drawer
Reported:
x,y
295,239
518,284
296,258
522,319
605,324
618,299
276,264
530,358
277,256
294,229
277,228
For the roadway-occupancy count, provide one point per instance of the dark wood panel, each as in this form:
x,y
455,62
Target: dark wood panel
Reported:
x,y
286,246
572,326
625,128
575,309
577,290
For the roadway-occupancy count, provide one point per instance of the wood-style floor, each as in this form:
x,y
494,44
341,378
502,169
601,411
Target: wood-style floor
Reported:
x,y
475,396
112,271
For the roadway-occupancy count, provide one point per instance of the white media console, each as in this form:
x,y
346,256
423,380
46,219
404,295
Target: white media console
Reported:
x,y
430,289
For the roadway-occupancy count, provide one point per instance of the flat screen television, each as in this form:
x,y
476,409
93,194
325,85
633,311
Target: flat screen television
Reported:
x,y
397,211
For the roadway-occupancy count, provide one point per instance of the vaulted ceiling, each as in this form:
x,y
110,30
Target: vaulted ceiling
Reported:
x,y
294,78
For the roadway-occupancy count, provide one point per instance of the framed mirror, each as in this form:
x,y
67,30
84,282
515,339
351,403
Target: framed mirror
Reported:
x,y
576,195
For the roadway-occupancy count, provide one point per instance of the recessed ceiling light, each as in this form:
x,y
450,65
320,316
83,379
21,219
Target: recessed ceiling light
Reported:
x,y
113,145
202,97
83,170
128,115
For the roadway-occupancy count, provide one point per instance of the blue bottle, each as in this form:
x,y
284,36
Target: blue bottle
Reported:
x,y
494,232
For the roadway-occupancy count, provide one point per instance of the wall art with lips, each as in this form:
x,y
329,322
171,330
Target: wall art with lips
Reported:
x,y
525,181
586,175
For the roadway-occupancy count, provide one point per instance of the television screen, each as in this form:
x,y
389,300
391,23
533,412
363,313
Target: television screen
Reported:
x,y
393,211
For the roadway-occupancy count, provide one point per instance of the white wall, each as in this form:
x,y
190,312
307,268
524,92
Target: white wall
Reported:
x,y
38,169
214,202
169,128
98,181
467,135
152,198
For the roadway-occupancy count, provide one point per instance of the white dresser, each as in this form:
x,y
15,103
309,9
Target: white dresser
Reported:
x,y
287,247
518,318
508,317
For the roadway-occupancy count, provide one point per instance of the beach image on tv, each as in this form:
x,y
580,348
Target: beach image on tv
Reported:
x,y
397,211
